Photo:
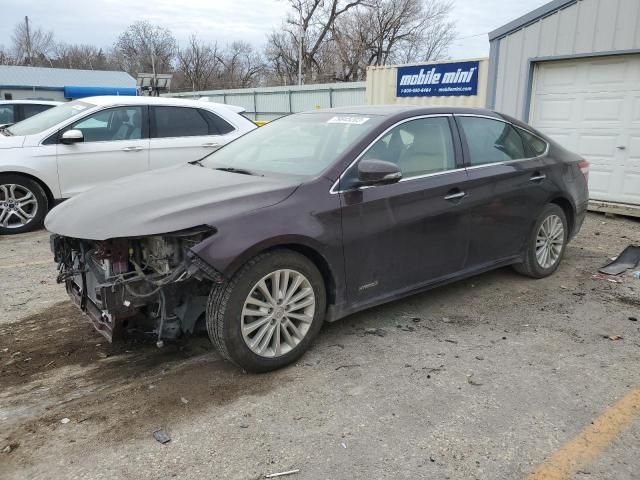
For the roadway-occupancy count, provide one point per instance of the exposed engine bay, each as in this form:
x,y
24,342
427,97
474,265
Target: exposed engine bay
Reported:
x,y
152,284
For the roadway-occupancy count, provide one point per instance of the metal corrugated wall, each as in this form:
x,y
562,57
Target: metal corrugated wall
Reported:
x,y
581,28
269,103
381,87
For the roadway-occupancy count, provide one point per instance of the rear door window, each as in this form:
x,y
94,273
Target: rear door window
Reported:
x,y
491,141
171,122
533,146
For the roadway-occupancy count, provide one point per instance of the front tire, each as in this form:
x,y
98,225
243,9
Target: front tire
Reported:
x,y
269,312
546,244
23,204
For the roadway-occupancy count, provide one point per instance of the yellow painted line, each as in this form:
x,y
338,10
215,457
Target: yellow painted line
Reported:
x,y
590,442
29,264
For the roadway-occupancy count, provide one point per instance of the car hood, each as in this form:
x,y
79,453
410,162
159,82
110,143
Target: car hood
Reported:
x,y
165,200
11,142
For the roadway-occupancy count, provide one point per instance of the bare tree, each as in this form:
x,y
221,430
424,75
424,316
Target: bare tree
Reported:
x,y
431,36
392,31
31,46
197,63
242,65
80,56
306,31
145,47
281,54
6,58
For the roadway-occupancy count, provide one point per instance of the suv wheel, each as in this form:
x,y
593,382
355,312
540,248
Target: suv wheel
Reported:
x,y
23,204
269,312
546,245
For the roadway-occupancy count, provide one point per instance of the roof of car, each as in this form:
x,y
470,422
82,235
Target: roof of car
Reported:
x,y
29,102
143,100
391,110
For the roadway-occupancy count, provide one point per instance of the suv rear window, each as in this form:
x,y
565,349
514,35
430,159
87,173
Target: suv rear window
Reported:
x,y
217,126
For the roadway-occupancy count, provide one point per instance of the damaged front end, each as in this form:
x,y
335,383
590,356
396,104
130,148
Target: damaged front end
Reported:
x,y
154,284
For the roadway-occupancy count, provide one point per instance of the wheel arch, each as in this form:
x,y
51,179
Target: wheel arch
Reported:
x,y
50,198
569,210
304,247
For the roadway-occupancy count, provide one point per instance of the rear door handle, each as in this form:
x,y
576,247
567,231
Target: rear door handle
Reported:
x,y
131,149
211,145
537,178
457,195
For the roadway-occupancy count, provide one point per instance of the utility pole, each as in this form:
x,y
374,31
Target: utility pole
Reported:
x,y
300,40
27,42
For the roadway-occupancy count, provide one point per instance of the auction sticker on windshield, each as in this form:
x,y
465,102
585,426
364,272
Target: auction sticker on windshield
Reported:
x,y
349,120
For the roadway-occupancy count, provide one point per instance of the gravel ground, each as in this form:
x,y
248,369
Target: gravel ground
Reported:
x,y
483,379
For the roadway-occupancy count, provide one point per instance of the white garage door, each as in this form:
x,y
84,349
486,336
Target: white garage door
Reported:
x,y
592,107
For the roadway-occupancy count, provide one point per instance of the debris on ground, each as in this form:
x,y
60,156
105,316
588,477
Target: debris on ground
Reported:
x,y
347,366
282,474
633,319
184,400
614,337
636,275
473,382
64,421
598,276
161,436
375,331
628,259
406,328
10,448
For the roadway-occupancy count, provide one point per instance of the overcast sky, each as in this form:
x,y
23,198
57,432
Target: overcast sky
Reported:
x,y
99,22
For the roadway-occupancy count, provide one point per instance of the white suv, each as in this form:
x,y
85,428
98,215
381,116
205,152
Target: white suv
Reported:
x,y
70,148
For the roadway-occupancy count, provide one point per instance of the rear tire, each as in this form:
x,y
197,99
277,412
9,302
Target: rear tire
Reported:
x,y
546,244
23,204
252,328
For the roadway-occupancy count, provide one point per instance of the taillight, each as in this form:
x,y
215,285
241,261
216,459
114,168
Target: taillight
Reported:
x,y
583,165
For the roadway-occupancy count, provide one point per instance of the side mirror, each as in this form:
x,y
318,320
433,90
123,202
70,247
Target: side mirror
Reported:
x,y
72,136
378,172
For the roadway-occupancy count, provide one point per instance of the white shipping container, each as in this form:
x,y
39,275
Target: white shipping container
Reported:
x,y
382,83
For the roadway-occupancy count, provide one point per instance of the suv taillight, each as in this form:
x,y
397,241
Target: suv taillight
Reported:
x,y
583,165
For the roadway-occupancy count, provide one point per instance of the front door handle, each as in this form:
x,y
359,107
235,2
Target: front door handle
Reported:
x,y
211,145
538,178
455,195
131,149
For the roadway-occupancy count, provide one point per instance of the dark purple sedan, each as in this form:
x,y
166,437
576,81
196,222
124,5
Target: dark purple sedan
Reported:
x,y
314,217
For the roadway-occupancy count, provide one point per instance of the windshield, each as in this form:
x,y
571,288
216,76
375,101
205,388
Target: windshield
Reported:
x,y
303,144
49,118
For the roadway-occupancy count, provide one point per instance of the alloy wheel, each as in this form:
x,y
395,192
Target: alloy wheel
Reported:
x,y
549,241
278,313
18,205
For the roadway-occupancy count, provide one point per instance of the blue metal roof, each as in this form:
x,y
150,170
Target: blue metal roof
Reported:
x,y
58,78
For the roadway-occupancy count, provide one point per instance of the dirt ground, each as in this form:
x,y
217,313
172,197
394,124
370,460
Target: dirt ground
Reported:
x,y
483,379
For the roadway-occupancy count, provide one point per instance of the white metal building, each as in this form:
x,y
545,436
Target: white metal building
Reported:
x,y
571,68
